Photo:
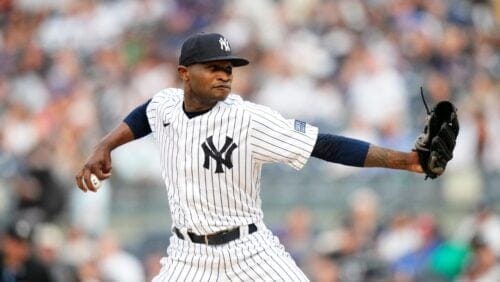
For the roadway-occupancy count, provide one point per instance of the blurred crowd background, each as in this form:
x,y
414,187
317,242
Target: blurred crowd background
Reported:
x,y
70,70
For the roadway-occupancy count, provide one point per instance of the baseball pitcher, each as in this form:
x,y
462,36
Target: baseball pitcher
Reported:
x,y
212,147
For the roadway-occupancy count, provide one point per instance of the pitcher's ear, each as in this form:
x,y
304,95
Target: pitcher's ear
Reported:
x,y
183,72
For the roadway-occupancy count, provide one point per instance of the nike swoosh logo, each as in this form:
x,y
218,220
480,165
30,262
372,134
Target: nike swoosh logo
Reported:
x,y
165,124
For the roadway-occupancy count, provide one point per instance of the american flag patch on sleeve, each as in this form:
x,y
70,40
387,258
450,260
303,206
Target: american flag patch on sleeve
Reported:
x,y
300,126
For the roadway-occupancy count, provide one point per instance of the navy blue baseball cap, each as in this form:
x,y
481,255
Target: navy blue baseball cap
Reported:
x,y
208,47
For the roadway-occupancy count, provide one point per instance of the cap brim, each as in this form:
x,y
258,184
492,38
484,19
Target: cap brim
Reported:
x,y
235,61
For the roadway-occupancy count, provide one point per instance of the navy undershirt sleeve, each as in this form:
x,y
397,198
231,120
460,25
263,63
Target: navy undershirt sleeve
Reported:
x,y
137,120
339,149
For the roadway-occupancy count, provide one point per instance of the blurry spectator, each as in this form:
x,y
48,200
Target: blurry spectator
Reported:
x,y
416,265
377,92
17,262
485,223
19,133
322,269
29,82
360,228
297,236
297,83
484,103
149,77
53,196
400,238
88,271
364,217
438,87
79,248
80,252
48,242
115,264
352,247
448,261
28,194
483,266
38,195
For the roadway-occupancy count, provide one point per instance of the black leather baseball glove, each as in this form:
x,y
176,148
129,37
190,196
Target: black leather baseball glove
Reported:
x,y
436,144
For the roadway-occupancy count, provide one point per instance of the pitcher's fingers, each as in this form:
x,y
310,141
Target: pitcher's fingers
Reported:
x,y
81,185
101,174
86,180
107,166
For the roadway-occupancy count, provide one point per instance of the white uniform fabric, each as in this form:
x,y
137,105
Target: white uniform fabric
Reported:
x,y
256,257
211,165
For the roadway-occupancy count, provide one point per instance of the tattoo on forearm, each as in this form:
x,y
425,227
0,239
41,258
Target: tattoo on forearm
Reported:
x,y
376,157
380,157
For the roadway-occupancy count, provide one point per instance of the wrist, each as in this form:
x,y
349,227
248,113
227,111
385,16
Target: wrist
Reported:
x,y
414,162
104,146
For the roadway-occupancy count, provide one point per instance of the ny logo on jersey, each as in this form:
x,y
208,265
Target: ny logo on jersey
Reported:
x,y
224,44
212,152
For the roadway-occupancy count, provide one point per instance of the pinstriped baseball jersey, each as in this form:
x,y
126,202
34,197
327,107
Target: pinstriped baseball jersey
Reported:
x,y
211,164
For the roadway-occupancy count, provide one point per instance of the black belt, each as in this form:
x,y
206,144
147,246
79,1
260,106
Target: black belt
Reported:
x,y
219,238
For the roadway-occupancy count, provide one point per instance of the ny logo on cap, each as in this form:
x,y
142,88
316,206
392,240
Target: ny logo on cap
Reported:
x,y
224,44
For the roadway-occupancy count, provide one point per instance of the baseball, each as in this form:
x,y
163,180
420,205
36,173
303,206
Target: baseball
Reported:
x,y
95,181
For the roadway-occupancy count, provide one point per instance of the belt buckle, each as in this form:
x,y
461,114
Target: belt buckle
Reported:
x,y
206,239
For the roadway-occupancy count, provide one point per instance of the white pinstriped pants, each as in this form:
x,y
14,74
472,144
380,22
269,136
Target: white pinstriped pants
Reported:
x,y
255,257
